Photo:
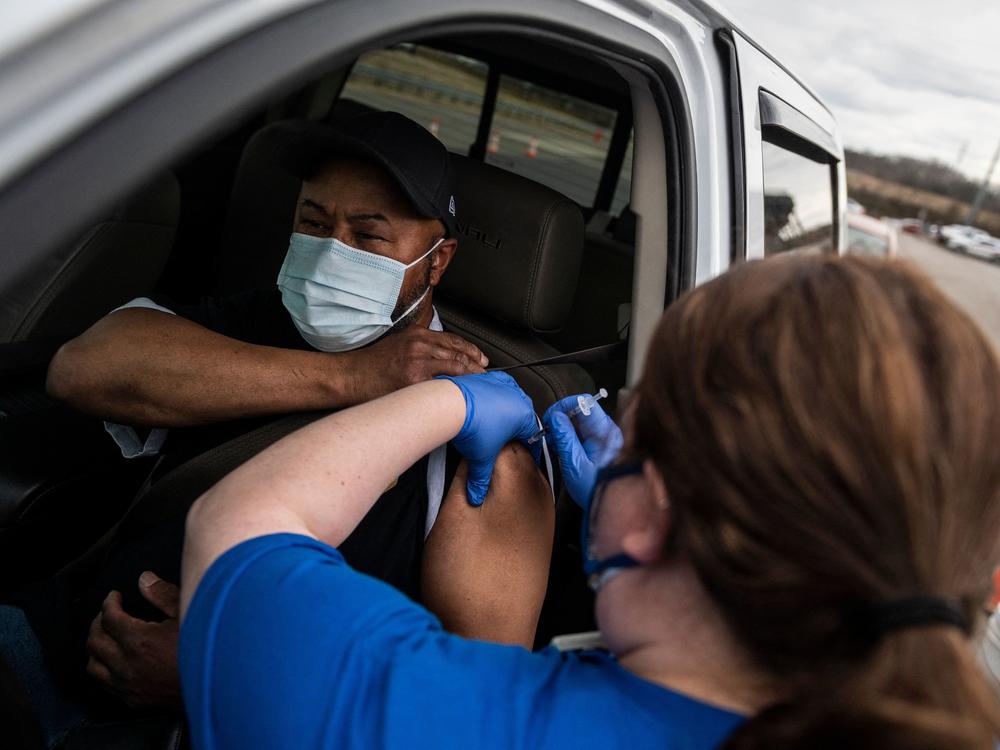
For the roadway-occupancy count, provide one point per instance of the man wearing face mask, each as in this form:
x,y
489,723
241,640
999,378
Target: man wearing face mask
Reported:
x,y
372,236
351,318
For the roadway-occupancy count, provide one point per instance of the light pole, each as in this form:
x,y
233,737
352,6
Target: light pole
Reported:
x,y
977,204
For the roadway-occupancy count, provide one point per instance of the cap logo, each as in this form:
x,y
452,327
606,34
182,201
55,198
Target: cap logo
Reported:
x,y
451,205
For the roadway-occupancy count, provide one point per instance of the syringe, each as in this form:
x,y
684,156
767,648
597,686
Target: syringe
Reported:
x,y
584,404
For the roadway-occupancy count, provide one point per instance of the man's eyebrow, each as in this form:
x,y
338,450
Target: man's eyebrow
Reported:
x,y
368,217
314,205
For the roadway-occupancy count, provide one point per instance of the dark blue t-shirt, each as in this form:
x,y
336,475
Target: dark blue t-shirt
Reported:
x,y
285,646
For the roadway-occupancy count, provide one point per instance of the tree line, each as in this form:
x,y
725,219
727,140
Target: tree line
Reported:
x,y
930,175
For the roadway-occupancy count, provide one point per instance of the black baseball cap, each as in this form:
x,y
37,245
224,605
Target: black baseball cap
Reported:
x,y
417,160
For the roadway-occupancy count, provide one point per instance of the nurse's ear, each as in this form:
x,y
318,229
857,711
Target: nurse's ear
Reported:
x,y
645,540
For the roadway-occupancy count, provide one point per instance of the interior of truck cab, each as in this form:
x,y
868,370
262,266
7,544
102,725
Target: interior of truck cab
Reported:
x,y
545,136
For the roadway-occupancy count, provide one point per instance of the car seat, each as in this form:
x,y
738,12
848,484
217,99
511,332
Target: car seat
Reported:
x,y
120,258
514,275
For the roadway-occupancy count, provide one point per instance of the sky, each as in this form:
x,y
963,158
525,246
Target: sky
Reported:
x,y
916,78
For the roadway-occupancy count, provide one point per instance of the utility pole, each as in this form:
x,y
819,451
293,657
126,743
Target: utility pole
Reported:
x,y
961,153
977,204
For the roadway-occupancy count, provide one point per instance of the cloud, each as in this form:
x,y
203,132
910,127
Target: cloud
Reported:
x,y
914,78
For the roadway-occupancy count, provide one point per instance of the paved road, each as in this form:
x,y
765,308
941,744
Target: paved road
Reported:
x,y
974,284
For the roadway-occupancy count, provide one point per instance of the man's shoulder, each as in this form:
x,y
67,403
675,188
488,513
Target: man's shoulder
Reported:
x,y
255,316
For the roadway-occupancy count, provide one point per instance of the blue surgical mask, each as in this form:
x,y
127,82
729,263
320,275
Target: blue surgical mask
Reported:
x,y
341,298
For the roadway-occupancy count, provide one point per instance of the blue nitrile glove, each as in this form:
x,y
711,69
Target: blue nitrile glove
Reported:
x,y
496,412
579,461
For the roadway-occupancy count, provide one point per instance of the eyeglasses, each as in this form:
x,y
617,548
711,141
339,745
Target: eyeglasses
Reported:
x,y
600,571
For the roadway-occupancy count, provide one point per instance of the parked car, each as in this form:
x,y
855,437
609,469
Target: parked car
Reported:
x,y
869,236
132,161
960,236
987,249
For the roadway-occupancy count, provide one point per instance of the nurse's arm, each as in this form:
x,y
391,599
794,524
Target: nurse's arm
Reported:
x,y
295,486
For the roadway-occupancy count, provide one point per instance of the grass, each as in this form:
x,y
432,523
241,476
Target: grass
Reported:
x,y
893,199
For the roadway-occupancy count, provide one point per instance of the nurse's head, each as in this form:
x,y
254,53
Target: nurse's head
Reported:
x,y
821,446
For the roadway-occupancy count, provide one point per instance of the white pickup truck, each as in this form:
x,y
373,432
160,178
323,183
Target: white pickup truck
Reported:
x,y
133,161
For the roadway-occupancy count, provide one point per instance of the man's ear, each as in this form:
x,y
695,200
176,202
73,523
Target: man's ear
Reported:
x,y
644,542
441,258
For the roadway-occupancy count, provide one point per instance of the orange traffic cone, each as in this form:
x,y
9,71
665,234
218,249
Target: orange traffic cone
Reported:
x,y
532,151
493,145
435,126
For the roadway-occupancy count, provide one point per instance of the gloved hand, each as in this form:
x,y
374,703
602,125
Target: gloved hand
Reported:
x,y
496,412
580,456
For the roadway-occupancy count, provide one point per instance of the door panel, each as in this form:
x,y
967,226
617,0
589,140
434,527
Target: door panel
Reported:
x,y
63,481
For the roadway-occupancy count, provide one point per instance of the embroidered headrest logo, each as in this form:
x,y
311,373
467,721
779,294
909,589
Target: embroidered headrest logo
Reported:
x,y
451,205
480,235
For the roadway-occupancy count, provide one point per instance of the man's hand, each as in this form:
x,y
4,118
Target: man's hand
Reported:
x,y
134,659
410,356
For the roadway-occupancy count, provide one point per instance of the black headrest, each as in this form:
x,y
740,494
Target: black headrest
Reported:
x,y
519,248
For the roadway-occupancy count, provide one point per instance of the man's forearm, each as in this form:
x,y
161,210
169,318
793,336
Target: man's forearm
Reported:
x,y
323,479
145,367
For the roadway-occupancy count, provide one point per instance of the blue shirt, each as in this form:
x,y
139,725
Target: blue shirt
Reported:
x,y
285,646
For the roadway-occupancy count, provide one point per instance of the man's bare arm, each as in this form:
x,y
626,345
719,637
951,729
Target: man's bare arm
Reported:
x,y
146,367
486,568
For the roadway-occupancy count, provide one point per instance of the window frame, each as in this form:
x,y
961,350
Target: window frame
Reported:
x,y
207,94
778,108
789,142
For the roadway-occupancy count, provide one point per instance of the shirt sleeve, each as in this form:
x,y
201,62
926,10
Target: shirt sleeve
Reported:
x,y
285,646
256,316
249,316
125,436
144,302
131,444
233,316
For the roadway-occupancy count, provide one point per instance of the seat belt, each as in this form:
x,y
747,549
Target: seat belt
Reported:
x,y
604,353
